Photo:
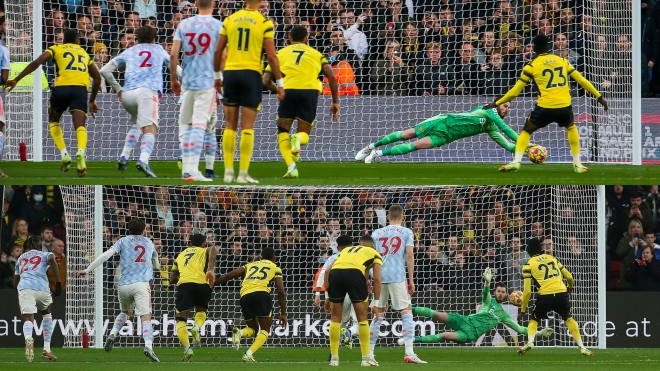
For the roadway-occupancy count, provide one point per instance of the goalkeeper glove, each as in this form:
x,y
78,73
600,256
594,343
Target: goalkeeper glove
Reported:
x,y
488,275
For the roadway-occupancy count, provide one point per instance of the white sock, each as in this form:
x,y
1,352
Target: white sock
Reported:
x,y
371,146
353,329
63,152
195,146
518,157
186,150
292,166
132,137
576,159
146,147
248,352
210,149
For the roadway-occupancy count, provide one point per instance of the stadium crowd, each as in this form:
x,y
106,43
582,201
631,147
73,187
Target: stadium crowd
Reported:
x,y
385,47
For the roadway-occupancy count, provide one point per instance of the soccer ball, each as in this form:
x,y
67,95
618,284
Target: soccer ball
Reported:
x,y
515,298
537,154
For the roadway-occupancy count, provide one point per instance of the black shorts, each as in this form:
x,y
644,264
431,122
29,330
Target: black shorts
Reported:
x,y
242,88
558,303
542,117
347,281
256,304
72,97
191,295
299,104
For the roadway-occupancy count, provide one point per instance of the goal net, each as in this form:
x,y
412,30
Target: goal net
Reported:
x,y
397,65
459,231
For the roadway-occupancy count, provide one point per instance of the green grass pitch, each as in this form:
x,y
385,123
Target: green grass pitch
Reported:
x,y
293,359
344,173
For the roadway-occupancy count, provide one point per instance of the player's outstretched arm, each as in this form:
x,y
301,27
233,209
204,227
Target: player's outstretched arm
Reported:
x,y
377,286
98,261
9,85
506,319
96,86
334,88
281,297
219,61
107,72
212,256
588,86
569,278
238,272
52,264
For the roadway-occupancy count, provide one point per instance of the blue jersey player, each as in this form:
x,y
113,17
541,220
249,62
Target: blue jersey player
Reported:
x,y
138,259
395,243
34,293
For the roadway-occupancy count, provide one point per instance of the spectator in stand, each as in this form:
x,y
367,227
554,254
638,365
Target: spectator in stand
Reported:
x,y
145,8
6,271
622,75
644,273
514,265
86,33
37,211
264,8
60,258
544,27
537,12
411,47
355,39
649,238
637,211
618,198
627,248
101,58
432,75
56,21
59,228
163,209
3,31
288,19
19,233
457,275
132,22
46,238
431,273
495,79
126,41
390,74
504,19
465,71
548,246
342,69
104,30
561,49
652,201
312,37
430,31
650,45
486,46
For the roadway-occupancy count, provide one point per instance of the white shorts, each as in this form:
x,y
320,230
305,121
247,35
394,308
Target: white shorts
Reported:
x,y
32,300
197,107
142,105
138,294
397,293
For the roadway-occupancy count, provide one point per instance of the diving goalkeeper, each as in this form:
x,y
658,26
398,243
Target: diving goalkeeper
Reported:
x,y
468,329
444,129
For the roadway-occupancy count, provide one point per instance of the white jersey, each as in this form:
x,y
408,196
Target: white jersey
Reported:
x,y
144,66
32,266
4,60
321,278
392,243
199,38
136,254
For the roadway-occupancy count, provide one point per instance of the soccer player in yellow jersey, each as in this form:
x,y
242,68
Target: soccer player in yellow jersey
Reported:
x,y
194,288
301,65
73,68
245,34
550,74
256,302
552,295
348,274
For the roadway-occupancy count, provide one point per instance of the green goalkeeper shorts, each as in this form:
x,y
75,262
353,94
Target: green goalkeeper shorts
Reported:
x,y
434,129
466,331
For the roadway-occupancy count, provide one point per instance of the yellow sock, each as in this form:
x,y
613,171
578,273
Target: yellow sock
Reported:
x,y
575,331
334,338
182,333
200,317
247,332
531,330
259,341
574,141
56,133
521,145
247,143
285,147
363,335
304,138
228,148
81,135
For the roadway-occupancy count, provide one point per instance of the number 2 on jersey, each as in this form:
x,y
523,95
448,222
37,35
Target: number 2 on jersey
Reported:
x,y
145,61
203,39
550,270
386,243
35,261
140,258
556,73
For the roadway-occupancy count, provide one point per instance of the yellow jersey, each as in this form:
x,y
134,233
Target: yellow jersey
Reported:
x,y
192,264
259,275
246,30
550,73
357,257
301,65
548,274
71,64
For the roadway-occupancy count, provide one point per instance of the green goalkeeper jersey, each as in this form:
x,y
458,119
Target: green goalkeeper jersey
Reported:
x,y
490,314
478,121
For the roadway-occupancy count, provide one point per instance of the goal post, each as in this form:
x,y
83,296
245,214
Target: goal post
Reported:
x,y
459,231
612,137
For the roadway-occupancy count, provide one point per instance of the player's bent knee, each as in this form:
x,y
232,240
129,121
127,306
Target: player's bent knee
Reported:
x,y
180,319
282,130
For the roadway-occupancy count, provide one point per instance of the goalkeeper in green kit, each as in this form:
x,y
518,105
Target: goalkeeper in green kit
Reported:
x,y
444,129
468,329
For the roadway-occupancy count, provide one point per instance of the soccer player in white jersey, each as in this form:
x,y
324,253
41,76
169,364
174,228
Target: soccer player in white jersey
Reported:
x,y
138,260
143,86
34,293
395,243
197,37
4,76
210,142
